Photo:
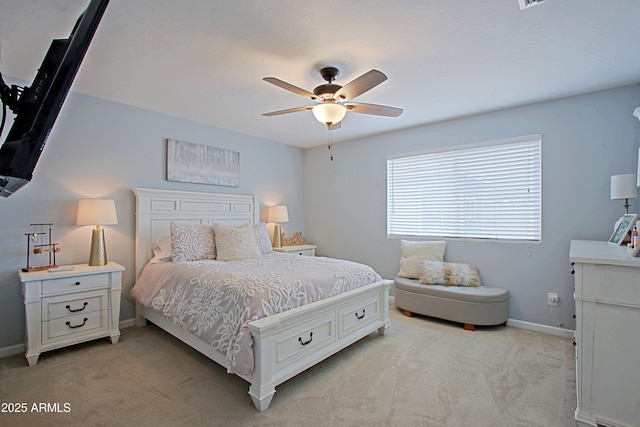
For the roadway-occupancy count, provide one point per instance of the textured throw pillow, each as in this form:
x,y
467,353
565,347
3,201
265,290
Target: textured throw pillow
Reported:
x,y
262,238
235,242
449,274
413,253
161,250
192,242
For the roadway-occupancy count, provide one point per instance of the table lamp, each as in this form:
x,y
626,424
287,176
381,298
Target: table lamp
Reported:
x,y
624,187
277,214
97,212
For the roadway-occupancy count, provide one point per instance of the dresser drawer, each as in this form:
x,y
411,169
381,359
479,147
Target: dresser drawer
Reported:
x,y
300,340
69,305
75,283
356,316
77,325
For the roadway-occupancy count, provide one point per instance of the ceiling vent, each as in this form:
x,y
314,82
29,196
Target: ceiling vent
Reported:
x,y
524,4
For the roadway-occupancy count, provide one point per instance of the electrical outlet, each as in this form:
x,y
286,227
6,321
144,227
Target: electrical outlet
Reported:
x,y
552,299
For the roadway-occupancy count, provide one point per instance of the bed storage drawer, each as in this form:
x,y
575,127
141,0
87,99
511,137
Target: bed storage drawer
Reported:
x,y
358,315
297,342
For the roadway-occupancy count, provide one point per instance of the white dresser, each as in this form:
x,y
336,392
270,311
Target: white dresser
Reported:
x,y
308,250
70,305
607,294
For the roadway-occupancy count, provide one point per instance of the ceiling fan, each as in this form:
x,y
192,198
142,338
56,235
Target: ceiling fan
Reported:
x,y
334,100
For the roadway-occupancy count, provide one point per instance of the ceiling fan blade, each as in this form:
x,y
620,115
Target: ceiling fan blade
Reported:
x,y
290,87
374,109
360,85
289,110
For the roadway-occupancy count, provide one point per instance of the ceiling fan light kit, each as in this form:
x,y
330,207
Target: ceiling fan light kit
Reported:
x,y
329,113
333,99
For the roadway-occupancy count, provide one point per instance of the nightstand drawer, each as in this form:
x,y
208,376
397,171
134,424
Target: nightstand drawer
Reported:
x,y
77,325
305,252
70,305
75,283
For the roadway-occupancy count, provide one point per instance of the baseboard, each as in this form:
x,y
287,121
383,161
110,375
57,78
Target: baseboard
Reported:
x,y
127,323
20,348
546,329
12,350
552,330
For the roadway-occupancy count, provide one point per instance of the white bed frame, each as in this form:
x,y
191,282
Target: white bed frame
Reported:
x,y
284,344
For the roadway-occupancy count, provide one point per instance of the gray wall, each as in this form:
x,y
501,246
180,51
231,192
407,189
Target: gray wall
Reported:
x,y
586,139
103,149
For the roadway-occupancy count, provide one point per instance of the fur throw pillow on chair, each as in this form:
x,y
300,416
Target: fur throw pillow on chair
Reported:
x,y
449,274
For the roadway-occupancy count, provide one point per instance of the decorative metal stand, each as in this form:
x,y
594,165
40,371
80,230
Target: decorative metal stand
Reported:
x,y
48,248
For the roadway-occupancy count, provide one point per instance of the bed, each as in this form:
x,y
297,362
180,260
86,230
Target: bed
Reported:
x,y
283,344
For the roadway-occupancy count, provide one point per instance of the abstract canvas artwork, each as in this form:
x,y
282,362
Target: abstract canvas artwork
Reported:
x,y
202,164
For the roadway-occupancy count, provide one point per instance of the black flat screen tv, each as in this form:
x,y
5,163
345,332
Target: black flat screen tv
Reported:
x,y
36,107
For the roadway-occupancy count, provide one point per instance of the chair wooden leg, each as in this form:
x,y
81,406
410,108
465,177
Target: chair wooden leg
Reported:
x,y
469,327
407,313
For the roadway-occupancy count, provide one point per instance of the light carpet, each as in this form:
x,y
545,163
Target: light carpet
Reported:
x,y
423,372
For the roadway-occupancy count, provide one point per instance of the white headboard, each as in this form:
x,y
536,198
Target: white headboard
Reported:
x,y
156,209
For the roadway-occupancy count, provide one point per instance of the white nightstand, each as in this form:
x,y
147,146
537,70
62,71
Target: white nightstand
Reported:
x,y
71,305
308,250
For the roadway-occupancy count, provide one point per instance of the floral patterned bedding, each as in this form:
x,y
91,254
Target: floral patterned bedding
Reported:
x,y
215,300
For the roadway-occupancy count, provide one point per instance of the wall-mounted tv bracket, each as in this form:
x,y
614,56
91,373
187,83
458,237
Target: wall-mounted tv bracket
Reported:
x,y
10,95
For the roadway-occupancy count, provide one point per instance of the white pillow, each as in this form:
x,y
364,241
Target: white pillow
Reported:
x,y
262,238
192,242
413,253
235,242
161,250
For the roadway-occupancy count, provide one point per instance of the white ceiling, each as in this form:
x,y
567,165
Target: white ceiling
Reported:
x,y
204,60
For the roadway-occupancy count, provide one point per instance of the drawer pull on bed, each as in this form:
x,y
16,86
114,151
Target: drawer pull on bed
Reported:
x,y
77,326
360,317
75,310
306,342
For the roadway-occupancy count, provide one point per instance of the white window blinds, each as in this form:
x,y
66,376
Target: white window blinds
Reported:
x,y
488,191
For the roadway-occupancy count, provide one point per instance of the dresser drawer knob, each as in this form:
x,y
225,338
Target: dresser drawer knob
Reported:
x,y
75,310
306,342
77,326
77,283
360,317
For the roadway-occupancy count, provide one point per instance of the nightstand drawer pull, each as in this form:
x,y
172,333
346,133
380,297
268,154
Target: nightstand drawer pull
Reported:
x,y
77,283
77,326
360,317
75,310
306,342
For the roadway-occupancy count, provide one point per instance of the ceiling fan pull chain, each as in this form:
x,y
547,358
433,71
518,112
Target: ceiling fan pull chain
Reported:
x,y
330,142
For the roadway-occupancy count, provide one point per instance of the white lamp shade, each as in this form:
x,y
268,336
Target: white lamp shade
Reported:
x,y
329,113
96,212
278,214
624,186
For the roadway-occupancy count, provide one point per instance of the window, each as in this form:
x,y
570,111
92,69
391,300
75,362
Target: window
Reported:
x,y
486,191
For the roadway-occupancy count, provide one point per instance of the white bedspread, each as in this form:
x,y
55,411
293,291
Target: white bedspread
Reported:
x,y
215,300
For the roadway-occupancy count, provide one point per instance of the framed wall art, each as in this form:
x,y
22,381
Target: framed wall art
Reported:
x,y
202,164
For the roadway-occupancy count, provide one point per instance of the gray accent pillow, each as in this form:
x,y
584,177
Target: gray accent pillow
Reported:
x,y
192,242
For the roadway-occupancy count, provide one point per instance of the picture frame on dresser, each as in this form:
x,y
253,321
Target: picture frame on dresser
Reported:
x,y
622,229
